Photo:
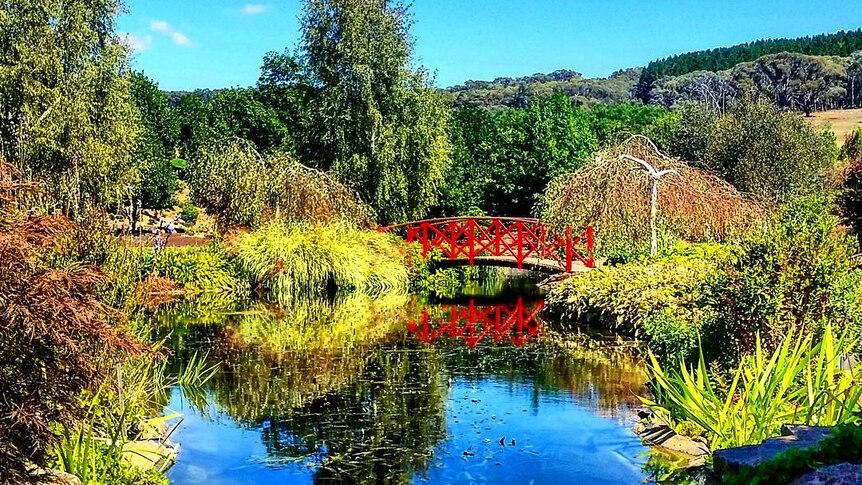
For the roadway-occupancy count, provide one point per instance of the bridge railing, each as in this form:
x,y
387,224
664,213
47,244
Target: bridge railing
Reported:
x,y
523,239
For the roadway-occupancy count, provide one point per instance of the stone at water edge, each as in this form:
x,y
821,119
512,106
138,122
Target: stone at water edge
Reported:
x,y
663,437
793,437
840,474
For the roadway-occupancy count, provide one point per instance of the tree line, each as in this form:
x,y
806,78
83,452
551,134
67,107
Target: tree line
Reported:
x,y
841,43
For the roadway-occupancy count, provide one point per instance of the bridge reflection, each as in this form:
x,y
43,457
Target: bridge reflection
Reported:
x,y
516,322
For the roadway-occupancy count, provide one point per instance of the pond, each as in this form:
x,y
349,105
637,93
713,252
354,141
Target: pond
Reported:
x,y
403,391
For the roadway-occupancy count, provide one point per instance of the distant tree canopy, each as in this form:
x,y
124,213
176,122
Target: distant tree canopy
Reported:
x,y
507,92
503,159
66,113
842,43
156,145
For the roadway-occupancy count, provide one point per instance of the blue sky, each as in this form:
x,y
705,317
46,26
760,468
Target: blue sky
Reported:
x,y
186,44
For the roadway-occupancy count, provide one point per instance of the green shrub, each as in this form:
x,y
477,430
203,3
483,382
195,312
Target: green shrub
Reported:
x,y
800,382
190,213
796,274
762,150
294,260
205,269
661,300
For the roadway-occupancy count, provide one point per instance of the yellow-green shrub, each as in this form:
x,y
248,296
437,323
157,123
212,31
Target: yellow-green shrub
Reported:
x,y
290,260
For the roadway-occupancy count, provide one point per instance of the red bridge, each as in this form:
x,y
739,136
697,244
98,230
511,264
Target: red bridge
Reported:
x,y
498,241
471,323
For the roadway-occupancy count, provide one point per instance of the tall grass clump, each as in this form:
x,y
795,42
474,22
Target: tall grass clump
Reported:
x,y
800,382
292,260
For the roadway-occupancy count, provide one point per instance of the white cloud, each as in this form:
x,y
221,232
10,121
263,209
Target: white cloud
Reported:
x,y
137,43
165,28
254,9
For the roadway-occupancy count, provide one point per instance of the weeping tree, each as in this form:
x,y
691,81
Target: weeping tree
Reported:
x,y
624,204
233,181
66,112
374,120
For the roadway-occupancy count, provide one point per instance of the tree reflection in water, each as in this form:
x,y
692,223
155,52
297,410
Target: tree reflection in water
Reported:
x,y
346,392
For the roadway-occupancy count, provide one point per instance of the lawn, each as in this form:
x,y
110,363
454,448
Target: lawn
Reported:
x,y
842,121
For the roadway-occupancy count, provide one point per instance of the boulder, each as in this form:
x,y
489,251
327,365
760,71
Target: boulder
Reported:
x,y
840,474
799,437
665,438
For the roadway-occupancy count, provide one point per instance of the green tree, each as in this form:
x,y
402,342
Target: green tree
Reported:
x,y
375,121
66,113
793,81
284,87
504,159
194,130
762,150
238,113
156,145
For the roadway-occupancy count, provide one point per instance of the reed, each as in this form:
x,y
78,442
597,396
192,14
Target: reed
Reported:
x,y
801,382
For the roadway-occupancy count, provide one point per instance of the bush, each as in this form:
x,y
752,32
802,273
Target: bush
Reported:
x,y
199,269
769,153
850,199
796,274
190,213
661,300
289,261
159,183
54,331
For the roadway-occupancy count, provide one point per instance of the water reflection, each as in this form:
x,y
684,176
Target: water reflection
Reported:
x,y
351,392
515,322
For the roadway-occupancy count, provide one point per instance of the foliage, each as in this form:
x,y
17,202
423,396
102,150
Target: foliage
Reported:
x,y
228,180
761,150
238,113
200,269
53,328
794,81
661,300
155,148
841,43
231,180
66,115
797,274
693,204
375,121
504,92
850,198
190,213
289,261
842,446
158,184
502,160
610,121
800,382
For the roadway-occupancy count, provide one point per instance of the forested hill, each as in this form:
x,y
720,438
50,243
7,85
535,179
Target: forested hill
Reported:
x,y
842,43
507,92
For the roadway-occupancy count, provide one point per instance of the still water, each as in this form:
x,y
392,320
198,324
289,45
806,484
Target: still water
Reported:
x,y
399,391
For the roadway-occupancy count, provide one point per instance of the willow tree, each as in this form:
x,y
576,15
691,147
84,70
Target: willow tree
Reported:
x,y
66,114
374,120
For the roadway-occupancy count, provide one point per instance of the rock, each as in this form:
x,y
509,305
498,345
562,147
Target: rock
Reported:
x,y
840,474
662,436
799,437
54,477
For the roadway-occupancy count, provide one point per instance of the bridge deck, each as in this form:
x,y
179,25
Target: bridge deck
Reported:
x,y
533,264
